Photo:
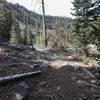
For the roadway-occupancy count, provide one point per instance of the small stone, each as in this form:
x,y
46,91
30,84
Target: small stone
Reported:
x,y
31,66
18,97
43,84
23,84
58,88
93,90
93,81
79,82
73,78
70,58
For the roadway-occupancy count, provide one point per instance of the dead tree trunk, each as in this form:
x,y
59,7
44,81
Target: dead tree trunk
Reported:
x,y
18,76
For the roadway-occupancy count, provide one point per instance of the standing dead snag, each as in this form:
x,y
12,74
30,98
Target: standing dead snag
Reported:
x,y
44,24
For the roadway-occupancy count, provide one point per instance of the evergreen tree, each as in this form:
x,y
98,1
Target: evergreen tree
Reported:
x,y
27,36
15,34
30,38
82,29
94,14
5,21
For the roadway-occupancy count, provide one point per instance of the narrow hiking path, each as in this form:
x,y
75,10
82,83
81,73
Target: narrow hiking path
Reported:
x,y
61,78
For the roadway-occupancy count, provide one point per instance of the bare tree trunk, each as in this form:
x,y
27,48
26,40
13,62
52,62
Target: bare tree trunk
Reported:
x,y
44,24
66,39
18,76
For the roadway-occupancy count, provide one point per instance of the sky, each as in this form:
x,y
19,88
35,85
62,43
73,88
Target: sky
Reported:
x,y
52,7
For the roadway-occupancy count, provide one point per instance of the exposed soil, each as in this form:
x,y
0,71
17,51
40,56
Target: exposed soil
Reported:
x,y
61,83
56,84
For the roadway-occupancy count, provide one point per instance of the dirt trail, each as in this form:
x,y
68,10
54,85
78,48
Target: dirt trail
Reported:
x,y
58,81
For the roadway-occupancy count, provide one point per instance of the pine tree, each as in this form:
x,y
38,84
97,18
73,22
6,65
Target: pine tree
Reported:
x,y
5,21
24,37
27,36
15,34
30,38
94,14
82,28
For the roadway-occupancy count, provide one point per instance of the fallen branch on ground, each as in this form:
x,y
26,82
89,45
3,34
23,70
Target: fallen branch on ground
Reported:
x,y
18,76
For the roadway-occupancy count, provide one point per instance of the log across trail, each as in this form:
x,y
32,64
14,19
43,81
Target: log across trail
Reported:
x,y
7,79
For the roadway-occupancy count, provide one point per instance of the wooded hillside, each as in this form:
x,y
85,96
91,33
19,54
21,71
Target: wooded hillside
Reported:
x,y
25,16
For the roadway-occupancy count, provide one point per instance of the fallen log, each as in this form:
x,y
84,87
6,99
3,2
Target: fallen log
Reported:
x,y
7,79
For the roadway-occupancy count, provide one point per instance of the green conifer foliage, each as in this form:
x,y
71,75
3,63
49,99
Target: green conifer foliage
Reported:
x,y
5,21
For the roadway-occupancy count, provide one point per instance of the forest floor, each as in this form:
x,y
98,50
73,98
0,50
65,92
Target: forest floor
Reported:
x,y
57,81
